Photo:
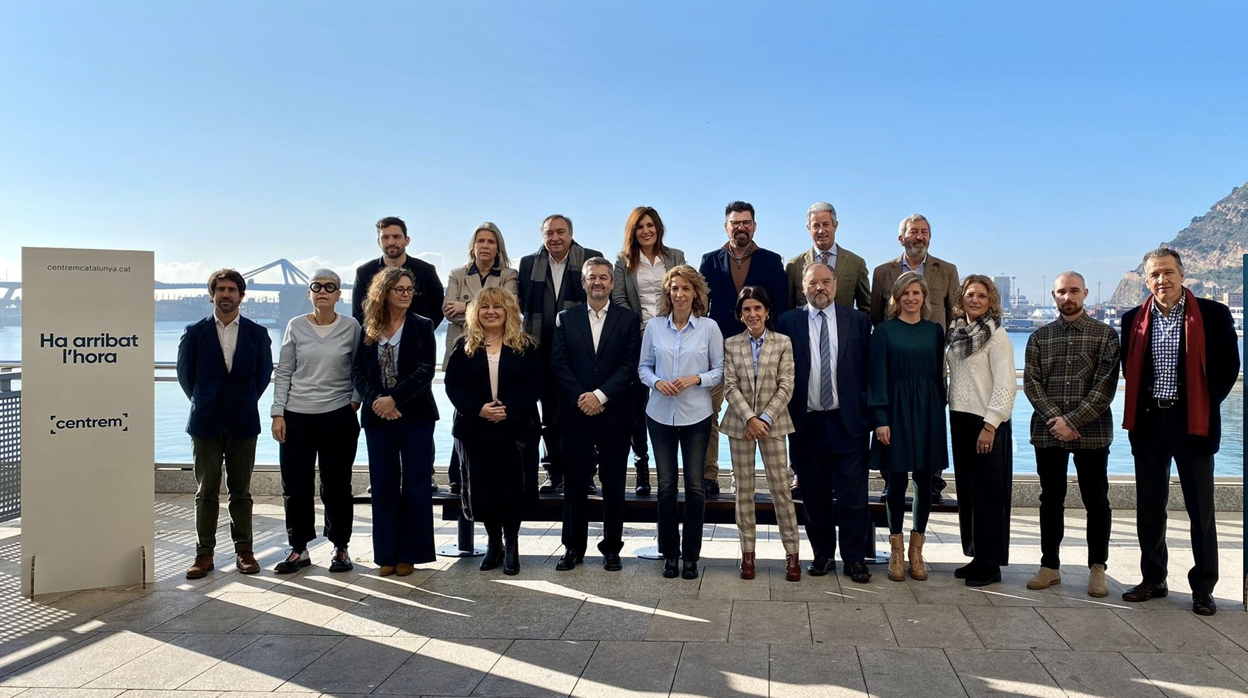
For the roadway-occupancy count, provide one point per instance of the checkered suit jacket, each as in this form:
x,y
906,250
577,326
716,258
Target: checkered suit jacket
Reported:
x,y
770,393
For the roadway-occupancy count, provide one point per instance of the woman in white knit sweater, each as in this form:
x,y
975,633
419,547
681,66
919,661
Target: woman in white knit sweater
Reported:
x,y
982,387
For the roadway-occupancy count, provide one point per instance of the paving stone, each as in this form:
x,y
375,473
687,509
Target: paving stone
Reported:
x,y
825,589
445,668
75,610
680,620
537,618
150,609
1188,674
72,692
649,583
222,614
356,665
879,590
264,664
86,661
1102,674
149,693
959,595
816,672
786,622
1238,663
723,582
1178,631
1002,673
931,626
302,614
722,670
1095,630
537,669
28,648
1232,623
1009,628
861,625
633,669
909,671
171,665
611,619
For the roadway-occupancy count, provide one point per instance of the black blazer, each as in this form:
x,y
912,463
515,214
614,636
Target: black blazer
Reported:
x,y
220,398
519,384
1221,359
612,368
429,291
533,302
853,339
412,393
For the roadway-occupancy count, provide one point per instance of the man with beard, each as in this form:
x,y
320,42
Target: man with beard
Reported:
x,y
550,282
851,270
594,360
915,235
393,240
1180,358
1071,377
225,362
829,412
739,263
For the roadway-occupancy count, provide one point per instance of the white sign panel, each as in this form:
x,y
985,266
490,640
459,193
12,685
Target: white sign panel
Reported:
x,y
88,319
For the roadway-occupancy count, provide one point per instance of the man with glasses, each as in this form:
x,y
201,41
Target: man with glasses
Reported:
x,y
739,263
393,240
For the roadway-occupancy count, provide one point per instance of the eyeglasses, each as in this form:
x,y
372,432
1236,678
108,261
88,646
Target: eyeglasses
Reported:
x,y
404,290
317,287
740,224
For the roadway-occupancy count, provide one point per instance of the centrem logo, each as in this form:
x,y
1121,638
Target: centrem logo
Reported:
x,y
64,424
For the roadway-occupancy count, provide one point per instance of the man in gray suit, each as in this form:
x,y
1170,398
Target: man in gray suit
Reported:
x,y
851,270
915,235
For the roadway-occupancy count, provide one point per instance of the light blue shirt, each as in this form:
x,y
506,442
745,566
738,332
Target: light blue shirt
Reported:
x,y
905,264
668,354
756,350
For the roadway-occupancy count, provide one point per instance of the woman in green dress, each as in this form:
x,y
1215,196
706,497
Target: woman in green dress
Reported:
x,y
906,399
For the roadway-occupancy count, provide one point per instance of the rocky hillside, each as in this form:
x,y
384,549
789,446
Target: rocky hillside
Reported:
x,y
1212,247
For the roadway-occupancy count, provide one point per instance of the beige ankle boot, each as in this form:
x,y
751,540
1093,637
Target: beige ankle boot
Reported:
x,y
1097,586
918,568
896,558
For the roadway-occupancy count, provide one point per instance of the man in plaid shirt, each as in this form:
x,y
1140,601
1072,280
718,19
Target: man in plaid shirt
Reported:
x,y
1070,377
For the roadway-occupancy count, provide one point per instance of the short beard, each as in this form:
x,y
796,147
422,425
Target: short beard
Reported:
x,y
815,302
911,251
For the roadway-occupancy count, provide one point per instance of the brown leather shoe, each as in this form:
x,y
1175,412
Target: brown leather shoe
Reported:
x,y
1145,591
200,568
246,563
747,565
385,570
792,568
404,568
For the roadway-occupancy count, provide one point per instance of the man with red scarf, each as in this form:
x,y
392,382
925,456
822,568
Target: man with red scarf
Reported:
x,y
1180,358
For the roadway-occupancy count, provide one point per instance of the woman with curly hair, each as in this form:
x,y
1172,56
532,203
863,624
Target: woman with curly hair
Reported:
x,y
493,379
393,373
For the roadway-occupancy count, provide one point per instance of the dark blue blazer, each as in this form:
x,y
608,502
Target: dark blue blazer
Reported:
x,y
853,338
221,399
766,270
612,368
413,393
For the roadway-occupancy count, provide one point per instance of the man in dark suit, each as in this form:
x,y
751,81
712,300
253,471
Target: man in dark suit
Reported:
x,y
225,362
1180,358
739,263
851,270
393,240
550,282
594,359
829,412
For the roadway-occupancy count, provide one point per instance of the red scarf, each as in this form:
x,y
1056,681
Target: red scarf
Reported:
x,y
1196,380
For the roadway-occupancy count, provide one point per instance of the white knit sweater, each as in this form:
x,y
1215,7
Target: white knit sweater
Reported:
x,y
984,383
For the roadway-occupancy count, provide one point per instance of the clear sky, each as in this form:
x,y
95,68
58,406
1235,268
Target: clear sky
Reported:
x,y
1036,137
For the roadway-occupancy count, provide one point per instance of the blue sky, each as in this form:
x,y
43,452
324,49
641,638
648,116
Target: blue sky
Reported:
x,y
1036,137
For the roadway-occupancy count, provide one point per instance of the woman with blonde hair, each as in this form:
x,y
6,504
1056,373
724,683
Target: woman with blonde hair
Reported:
x,y
682,358
493,378
393,373
906,401
982,387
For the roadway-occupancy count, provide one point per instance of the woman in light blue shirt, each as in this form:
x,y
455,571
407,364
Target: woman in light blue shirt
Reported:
x,y
682,358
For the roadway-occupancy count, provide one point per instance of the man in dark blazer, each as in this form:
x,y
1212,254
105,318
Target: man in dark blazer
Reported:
x,y
594,360
1180,359
851,270
225,362
550,282
393,240
739,263
829,412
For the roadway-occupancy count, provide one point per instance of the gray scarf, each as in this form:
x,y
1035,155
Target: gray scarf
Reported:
x,y
535,301
966,338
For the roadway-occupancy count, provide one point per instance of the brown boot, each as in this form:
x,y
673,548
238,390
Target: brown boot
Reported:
x,y
792,568
200,568
896,557
918,568
747,565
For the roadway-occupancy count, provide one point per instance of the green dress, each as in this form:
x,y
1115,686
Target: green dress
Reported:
x,y
906,392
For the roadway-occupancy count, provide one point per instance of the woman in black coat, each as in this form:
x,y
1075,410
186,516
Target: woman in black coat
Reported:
x,y
493,378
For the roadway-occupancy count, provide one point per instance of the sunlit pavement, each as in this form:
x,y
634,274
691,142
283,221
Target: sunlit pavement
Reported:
x,y
451,630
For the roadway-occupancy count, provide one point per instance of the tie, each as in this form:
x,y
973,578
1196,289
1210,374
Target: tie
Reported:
x,y
825,364
388,372
826,258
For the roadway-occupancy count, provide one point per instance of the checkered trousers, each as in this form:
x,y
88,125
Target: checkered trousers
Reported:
x,y
775,464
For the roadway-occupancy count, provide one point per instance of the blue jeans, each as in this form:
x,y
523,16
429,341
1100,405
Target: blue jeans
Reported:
x,y
400,471
692,440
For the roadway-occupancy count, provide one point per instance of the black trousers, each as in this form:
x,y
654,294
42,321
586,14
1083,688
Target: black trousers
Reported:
x,y
609,434
641,451
551,432
832,468
1159,437
1091,465
677,539
331,438
985,484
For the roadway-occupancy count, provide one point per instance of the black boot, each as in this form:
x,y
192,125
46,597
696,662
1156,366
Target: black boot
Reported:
x,y
494,548
643,478
511,551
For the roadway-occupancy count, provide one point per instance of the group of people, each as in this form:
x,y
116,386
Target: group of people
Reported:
x,y
821,370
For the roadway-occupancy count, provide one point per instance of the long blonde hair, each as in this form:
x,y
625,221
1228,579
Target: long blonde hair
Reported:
x,y
701,297
514,337
899,286
376,313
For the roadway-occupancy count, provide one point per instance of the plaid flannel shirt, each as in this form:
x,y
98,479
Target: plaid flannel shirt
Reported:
x,y
1071,371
